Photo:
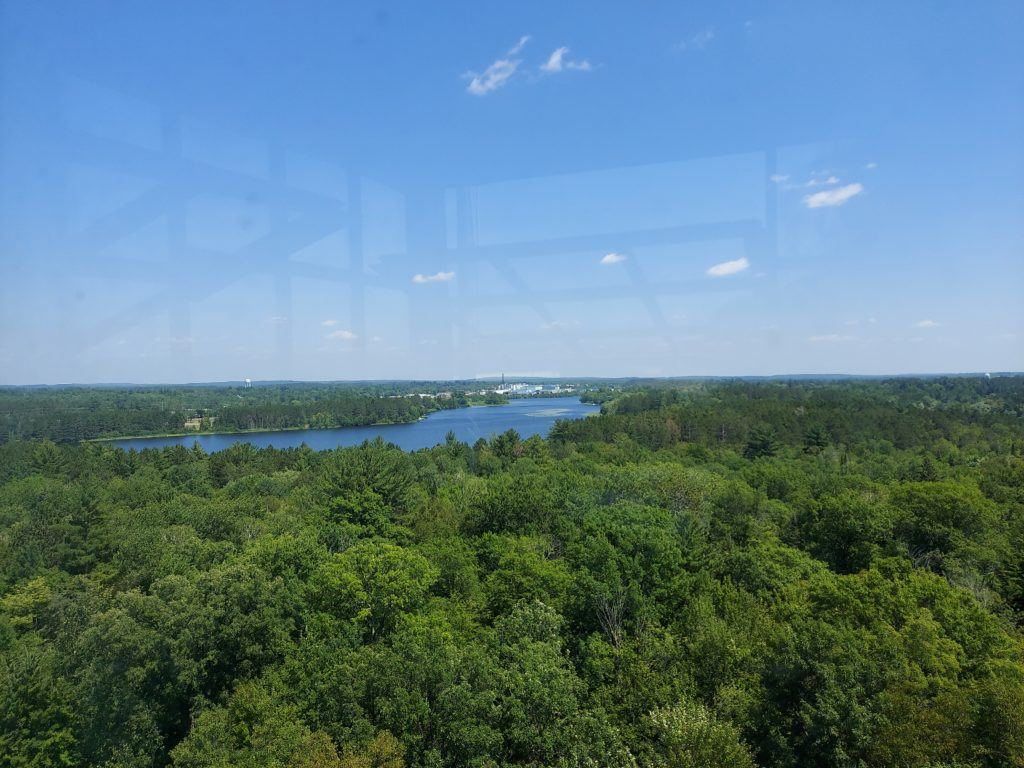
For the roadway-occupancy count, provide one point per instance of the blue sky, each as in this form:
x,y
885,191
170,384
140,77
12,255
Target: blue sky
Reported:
x,y
322,190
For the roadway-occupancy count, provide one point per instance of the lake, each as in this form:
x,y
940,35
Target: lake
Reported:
x,y
527,417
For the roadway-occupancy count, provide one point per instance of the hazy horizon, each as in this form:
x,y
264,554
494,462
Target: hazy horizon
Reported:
x,y
515,376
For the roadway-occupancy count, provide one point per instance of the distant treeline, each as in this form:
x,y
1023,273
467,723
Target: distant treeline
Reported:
x,y
68,415
897,413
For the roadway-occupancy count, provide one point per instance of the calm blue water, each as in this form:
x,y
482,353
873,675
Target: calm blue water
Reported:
x,y
527,417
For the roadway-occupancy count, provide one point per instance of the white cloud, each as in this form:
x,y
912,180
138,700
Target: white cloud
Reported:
x,y
498,73
926,324
829,338
554,62
492,78
819,182
329,323
729,267
613,258
342,336
505,68
698,41
833,197
871,166
278,320
519,46
558,63
778,178
439,277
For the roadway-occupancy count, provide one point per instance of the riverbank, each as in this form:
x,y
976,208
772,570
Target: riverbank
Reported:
x,y
527,417
221,433
306,428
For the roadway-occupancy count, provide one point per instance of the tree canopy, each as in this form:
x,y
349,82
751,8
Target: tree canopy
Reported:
x,y
733,574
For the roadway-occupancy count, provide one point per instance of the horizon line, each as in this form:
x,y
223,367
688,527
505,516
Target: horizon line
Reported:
x,y
589,377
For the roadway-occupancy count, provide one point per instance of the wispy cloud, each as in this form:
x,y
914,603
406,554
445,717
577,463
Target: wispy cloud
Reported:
x,y
329,323
438,277
519,46
492,78
927,324
816,179
831,180
498,73
829,198
278,320
727,268
557,62
698,41
554,62
502,70
613,258
871,166
829,338
341,336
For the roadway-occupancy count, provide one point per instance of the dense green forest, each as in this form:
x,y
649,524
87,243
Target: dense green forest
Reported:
x,y
71,414
733,574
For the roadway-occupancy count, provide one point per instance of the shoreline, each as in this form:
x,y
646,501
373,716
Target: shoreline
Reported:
x,y
283,429
251,431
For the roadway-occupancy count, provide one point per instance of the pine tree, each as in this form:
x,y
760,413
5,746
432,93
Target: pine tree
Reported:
x,y
761,442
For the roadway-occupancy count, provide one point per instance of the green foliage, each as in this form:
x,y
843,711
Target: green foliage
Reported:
x,y
727,574
372,584
816,439
70,414
255,731
688,735
761,442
